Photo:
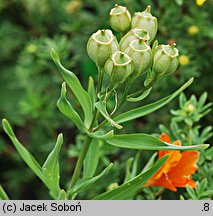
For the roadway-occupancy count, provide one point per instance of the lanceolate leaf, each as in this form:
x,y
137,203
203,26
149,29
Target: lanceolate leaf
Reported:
x,y
67,109
141,97
92,158
100,106
51,166
147,142
23,152
147,109
62,195
3,195
126,190
102,135
75,85
85,183
91,90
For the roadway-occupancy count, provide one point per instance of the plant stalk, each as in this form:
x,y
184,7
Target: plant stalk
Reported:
x,y
80,161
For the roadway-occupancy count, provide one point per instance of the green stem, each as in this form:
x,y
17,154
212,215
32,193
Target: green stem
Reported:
x,y
126,90
123,100
79,163
143,89
100,79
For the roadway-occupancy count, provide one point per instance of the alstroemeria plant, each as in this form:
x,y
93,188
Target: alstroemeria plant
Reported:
x,y
119,62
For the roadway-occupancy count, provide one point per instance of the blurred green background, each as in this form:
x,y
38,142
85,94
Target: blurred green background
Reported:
x,y
30,83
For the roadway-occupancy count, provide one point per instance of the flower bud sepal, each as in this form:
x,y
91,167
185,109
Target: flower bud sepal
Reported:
x,y
119,67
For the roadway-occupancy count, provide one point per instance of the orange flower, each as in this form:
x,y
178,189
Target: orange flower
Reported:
x,y
177,170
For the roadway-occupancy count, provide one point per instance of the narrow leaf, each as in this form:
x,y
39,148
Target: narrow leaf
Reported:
x,y
100,106
75,85
150,162
23,152
3,195
83,184
191,192
127,189
147,142
100,135
62,195
128,169
147,109
66,108
51,166
91,90
141,97
92,158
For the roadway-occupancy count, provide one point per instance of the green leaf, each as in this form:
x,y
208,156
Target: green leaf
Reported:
x,y
23,152
136,164
141,97
147,142
202,100
150,162
128,189
75,85
182,100
3,194
91,90
147,109
66,108
92,158
102,135
209,154
85,183
51,167
128,169
62,195
206,194
100,106
191,192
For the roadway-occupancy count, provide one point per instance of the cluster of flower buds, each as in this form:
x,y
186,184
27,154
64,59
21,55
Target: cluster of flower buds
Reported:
x,y
132,56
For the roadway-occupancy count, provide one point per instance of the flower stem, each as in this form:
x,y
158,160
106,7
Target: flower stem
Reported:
x,y
143,89
100,79
79,163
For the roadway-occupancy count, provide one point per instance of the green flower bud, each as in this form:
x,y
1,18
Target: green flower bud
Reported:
x,y
146,21
119,67
120,18
132,35
165,60
141,54
101,45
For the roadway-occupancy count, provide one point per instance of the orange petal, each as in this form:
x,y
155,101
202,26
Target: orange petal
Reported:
x,y
163,181
186,166
184,181
165,138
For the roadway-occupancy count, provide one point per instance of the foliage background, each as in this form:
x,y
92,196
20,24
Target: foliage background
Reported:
x,y
30,83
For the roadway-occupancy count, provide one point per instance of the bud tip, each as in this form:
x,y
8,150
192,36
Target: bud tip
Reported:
x,y
148,9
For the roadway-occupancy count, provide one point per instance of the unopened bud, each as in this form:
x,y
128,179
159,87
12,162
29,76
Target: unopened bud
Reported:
x,y
190,108
120,18
141,55
136,33
165,60
145,20
119,67
101,45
